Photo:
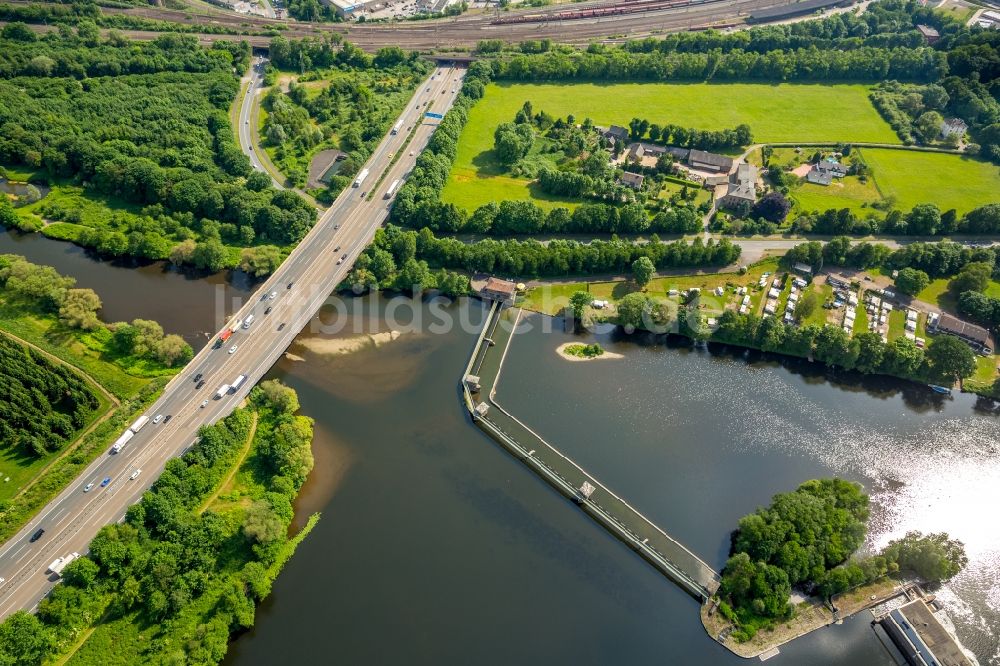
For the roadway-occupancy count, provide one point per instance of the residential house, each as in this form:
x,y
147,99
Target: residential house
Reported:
x,y
633,180
704,161
954,127
742,185
617,133
834,169
819,177
977,336
929,33
638,151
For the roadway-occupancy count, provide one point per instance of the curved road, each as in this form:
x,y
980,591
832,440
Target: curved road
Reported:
x,y
301,285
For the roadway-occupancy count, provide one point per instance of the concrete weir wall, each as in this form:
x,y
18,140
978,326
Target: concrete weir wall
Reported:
x,y
479,384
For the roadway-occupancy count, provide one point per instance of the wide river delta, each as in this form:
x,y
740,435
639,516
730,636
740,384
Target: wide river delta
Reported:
x,y
436,546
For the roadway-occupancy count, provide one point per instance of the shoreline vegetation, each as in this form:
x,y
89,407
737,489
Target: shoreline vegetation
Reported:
x,y
193,558
807,540
575,351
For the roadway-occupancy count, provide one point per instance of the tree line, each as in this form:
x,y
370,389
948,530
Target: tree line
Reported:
x,y
189,577
921,220
42,404
565,257
689,137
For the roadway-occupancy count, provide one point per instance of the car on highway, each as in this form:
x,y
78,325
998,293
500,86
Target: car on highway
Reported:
x,y
411,153
135,475
336,226
197,378
105,482
336,249
289,285
87,488
268,310
37,535
281,325
363,194
344,257
200,384
232,350
340,261
203,403
428,90
157,418
166,419
274,295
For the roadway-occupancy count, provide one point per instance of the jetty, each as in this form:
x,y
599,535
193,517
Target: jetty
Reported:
x,y
479,390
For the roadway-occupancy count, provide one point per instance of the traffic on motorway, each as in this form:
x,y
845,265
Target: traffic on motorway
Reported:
x,y
222,373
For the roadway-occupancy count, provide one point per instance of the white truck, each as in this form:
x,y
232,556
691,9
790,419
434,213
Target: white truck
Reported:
x,y
236,324
248,321
60,563
361,178
392,189
238,382
223,390
139,422
398,126
122,441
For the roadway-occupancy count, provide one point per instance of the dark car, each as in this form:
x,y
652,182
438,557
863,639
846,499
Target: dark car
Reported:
x,y
267,311
281,325
37,535
166,419
336,249
200,384
197,378
289,285
336,226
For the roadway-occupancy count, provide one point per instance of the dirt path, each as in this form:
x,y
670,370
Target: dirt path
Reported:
x,y
236,467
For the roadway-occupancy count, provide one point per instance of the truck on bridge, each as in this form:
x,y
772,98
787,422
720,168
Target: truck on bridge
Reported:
x,y
60,563
122,441
139,422
361,178
398,126
392,189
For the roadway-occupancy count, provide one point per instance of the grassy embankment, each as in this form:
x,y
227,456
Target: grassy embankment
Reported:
x,y
776,113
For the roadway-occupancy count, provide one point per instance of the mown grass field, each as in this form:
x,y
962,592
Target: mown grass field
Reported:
x,y
776,113
950,181
846,192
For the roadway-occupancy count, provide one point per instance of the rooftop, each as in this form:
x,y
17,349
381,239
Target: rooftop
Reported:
x,y
703,157
964,329
500,287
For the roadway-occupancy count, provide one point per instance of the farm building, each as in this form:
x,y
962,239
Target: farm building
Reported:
x,y
617,133
742,185
699,159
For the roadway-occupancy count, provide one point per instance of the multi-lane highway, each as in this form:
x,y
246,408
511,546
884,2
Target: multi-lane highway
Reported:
x,y
299,287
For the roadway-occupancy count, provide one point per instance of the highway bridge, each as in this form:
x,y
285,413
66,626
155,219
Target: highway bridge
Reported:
x,y
281,307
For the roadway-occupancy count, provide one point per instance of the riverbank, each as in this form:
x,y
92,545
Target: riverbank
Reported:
x,y
810,615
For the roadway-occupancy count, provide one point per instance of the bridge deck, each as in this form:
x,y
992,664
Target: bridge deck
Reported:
x,y
608,508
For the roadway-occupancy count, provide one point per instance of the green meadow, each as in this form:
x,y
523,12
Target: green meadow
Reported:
x,y
776,113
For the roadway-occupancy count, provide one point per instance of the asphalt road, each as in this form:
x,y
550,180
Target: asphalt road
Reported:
x,y
301,285
255,79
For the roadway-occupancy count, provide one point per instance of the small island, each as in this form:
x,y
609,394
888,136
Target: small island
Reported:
x,y
575,351
794,568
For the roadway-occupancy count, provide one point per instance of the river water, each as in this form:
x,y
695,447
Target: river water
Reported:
x,y
436,546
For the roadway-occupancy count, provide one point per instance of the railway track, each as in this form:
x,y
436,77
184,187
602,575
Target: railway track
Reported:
x,y
617,9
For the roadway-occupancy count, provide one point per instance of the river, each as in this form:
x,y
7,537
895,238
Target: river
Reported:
x,y
437,547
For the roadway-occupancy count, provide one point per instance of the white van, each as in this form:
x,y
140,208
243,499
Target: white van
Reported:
x,y
248,321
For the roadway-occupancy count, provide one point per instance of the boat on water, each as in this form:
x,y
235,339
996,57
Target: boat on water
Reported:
x,y
944,390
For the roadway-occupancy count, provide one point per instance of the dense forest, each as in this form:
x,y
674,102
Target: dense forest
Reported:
x,y
176,578
41,403
807,539
144,128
